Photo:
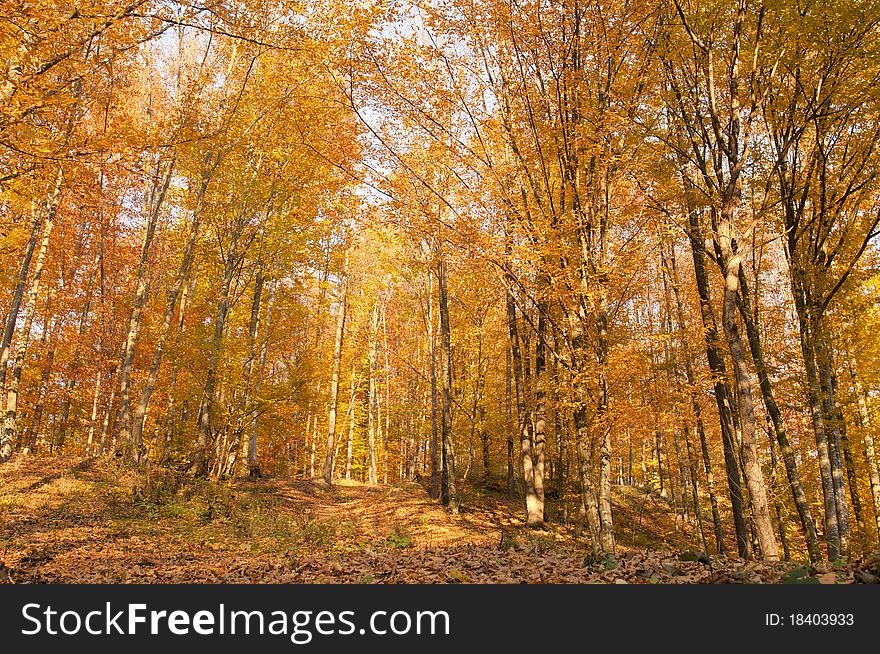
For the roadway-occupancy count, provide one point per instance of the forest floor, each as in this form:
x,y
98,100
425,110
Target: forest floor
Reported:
x,y
96,521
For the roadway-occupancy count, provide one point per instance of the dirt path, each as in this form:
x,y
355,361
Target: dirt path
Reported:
x,y
403,511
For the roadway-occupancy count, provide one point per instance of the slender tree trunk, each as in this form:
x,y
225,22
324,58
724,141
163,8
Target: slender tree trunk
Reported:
x,y
523,422
511,468
589,503
334,379
314,441
200,463
695,492
76,363
868,440
449,481
348,418
808,526
560,476
17,295
605,515
722,392
696,410
105,426
751,464
94,415
659,440
131,442
832,532
372,397
174,293
536,518
432,343
10,422
387,398
170,415
835,448
851,477
253,464
778,506
350,444
29,442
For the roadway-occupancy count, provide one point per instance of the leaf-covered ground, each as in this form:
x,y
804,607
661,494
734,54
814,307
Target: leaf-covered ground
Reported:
x,y
90,521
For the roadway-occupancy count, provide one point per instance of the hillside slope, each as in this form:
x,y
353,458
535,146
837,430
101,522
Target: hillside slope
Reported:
x,y
93,521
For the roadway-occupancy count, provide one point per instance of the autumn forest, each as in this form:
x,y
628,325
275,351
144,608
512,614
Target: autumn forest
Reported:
x,y
593,282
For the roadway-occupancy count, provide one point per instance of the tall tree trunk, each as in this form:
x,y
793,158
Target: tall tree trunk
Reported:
x,y
745,406
132,446
372,472
449,483
523,422
722,392
777,502
29,442
334,378
589,503
200,463
536,518
808,526
432,343
696,410
253,462
17,295
108,415
10,421
695,491
606,526
508,396
829,409
868,440
36,420
170,417
806,337
387,374
351,421
559,478
237,446
659,441
180,279
851,477
94,416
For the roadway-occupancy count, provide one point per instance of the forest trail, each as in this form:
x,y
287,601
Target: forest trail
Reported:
x,y
402,512
94,521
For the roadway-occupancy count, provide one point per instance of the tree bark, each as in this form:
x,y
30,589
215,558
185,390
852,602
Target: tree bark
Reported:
x,y
536,518
253,461
523,422
868,440
17,295
722,392
832,532
829,409
808,526
200,460
94,415
508,396
174,292
131,444
745,406
696,409
10,422
432,346
334,375
449,483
